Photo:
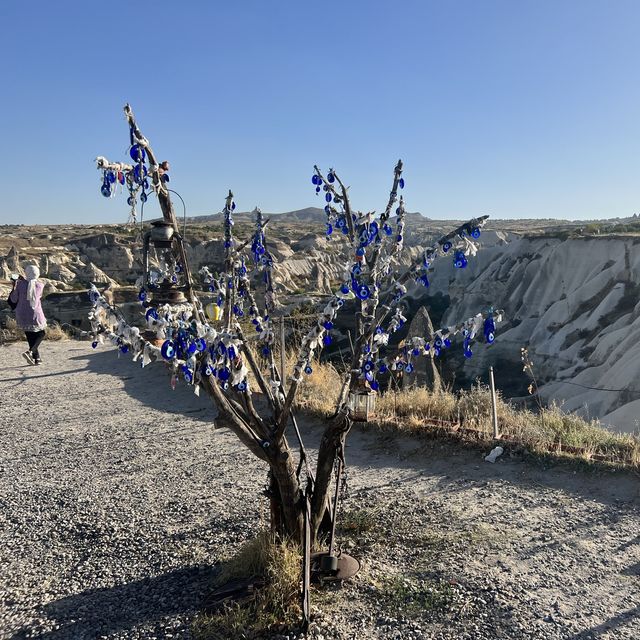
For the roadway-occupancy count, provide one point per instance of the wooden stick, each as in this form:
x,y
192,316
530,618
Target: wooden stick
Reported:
x,y
494,408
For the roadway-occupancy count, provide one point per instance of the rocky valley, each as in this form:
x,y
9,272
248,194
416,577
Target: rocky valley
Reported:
x,y
570,292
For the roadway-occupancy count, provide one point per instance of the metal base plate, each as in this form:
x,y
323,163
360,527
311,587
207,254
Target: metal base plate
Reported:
x,y
347,567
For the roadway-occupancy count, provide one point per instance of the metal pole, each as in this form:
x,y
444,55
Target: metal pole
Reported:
x,y
494,408
282,356
336,497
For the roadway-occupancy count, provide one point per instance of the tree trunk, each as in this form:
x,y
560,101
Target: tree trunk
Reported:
x,y
286,517
331,443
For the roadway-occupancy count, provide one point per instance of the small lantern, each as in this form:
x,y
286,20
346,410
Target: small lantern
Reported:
x,y
362,403
161,236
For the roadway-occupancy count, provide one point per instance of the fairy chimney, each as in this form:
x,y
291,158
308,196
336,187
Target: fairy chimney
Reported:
x,y
426,372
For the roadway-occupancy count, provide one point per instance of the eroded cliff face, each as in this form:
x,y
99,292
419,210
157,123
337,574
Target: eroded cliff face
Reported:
x,y
575,303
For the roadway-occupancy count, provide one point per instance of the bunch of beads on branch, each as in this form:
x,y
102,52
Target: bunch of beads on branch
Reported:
x,y
375,244
236,282
461,244
191,347
134,177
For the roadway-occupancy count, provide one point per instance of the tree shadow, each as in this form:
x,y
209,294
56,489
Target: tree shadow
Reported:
x,y
100,612
151,385
622,619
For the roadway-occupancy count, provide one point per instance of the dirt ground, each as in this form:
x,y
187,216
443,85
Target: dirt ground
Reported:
x,y
118,498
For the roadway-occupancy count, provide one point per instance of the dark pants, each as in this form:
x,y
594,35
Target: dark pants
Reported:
x,y
34,338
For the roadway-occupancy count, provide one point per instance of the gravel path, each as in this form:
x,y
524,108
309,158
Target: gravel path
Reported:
x,y
118,498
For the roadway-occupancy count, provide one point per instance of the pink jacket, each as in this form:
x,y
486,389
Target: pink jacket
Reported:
x,y
27,318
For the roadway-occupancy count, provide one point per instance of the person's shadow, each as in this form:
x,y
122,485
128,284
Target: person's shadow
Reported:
x,y
99,612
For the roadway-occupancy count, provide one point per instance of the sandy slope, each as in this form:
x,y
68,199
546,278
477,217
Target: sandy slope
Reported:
x,y
117,498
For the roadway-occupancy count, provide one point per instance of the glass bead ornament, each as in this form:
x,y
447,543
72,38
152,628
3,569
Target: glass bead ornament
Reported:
x,y
363,292
446,247
489,330
331,177
137,153
315,179
401,183
168,350
308,370
328,197
94,344
459,261
326,340
142,295
224,374
475,233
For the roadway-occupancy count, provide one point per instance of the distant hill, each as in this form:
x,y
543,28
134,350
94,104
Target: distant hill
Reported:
x,y
310,214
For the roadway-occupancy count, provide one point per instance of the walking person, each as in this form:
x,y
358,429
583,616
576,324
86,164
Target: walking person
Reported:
x,y
26,295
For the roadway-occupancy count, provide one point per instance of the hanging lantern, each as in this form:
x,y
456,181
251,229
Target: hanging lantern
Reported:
x,y
168,291
362,403
161,234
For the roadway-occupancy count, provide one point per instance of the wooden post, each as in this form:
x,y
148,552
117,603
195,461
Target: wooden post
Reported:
x,y
494,408
282,356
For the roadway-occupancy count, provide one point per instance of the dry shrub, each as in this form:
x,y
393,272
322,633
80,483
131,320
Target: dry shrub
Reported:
x,y
410,408
12,330
55,332
276,606
318,392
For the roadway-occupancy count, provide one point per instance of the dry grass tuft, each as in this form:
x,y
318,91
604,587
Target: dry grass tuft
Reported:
x,y
55,332
275,606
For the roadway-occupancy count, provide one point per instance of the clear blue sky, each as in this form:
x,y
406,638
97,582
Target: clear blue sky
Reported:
x,y
516,108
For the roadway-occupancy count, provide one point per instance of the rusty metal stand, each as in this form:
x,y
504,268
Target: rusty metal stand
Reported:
x,y
306,562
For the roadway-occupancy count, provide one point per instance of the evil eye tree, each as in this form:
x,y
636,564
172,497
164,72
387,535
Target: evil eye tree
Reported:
x,y
208,345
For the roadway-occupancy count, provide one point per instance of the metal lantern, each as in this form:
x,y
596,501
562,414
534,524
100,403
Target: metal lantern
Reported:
x,y
362,403
161,235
